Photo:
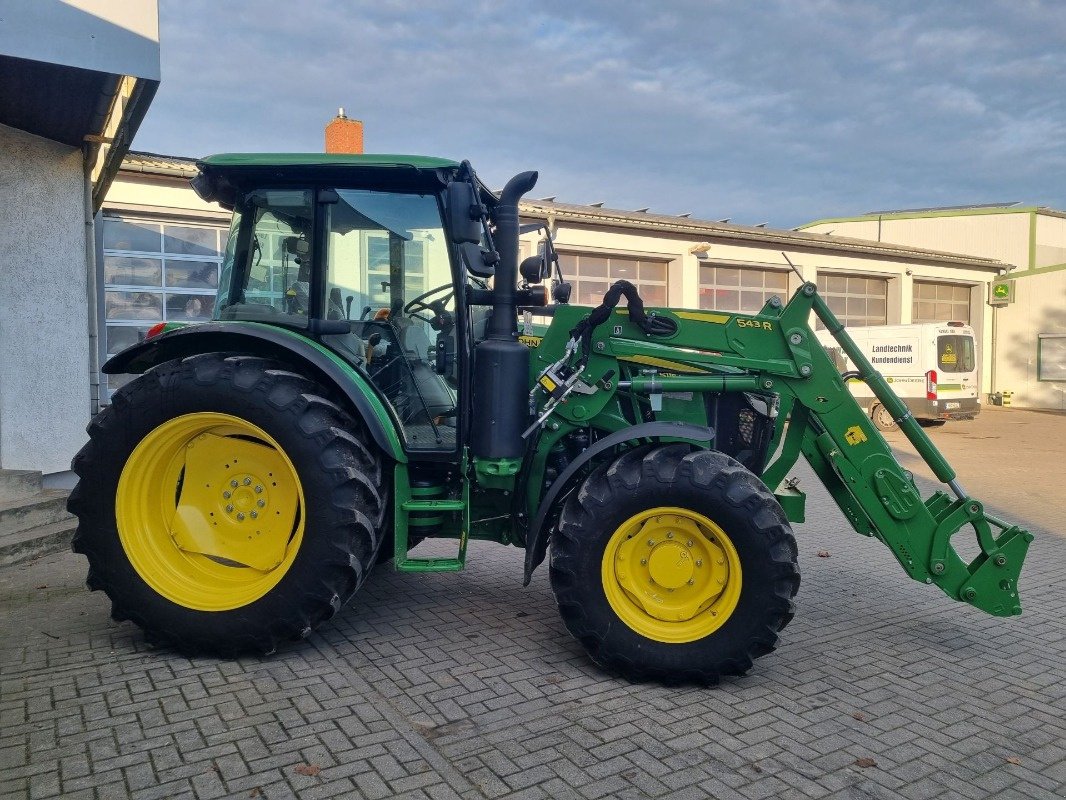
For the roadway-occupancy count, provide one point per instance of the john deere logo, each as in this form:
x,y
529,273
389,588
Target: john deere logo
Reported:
x,y
1001,291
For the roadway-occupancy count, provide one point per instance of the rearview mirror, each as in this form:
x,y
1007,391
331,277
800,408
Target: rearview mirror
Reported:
x,y
464,223
479,262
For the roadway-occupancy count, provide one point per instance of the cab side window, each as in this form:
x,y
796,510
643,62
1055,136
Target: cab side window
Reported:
x,y
273,282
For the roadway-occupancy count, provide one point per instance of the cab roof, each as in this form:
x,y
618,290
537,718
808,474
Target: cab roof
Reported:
x,y
282,160
224,176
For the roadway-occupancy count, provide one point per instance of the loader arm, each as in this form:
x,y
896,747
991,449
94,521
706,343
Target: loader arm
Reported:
x,y
776,352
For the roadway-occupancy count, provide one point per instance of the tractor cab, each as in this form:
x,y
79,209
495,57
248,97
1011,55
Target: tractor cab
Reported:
x,y
361,259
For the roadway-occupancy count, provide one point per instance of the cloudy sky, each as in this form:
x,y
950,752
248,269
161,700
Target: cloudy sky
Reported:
x,y
772,111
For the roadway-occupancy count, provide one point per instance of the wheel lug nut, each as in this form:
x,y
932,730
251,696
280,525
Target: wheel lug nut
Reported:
x,y
699,563
261,503
721,561
240,516
253,514
651,543
669,534
247,481
229,509
644,562
227,495
258,489
233,483
691,582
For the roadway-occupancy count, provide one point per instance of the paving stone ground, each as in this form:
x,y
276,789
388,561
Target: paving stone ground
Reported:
x,y
468,686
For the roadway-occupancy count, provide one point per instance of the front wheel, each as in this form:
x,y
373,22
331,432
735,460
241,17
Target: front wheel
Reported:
x,y
674,565
225,505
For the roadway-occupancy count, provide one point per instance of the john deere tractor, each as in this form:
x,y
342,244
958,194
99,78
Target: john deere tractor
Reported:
x,y
381,371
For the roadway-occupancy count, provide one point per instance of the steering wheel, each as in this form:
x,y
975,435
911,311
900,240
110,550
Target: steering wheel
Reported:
x,y
418,306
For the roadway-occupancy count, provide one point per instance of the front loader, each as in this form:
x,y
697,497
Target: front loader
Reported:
x,y
381,370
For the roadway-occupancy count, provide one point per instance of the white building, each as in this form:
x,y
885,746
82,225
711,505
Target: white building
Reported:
x,y
1027,356
76,78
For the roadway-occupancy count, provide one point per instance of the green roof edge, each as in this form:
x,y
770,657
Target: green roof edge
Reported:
x,y
326,160
958,212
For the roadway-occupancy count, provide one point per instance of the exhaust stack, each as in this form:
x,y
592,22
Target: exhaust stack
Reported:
x,y
501,362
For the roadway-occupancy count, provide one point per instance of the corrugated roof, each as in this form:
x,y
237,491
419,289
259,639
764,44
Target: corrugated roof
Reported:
x,y
157,164
704,228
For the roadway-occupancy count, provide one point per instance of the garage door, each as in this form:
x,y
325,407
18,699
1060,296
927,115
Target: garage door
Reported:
x,y
940,302
592,276
726,288
855,300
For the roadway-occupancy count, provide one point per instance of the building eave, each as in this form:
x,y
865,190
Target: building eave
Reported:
x,y
613,218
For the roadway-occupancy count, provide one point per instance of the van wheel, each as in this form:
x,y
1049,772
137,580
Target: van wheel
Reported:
x,y
882,420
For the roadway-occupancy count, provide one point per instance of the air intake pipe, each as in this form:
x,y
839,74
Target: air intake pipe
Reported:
x,y
501,362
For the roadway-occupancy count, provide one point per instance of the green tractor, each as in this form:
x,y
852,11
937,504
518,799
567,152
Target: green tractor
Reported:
x,y
381,370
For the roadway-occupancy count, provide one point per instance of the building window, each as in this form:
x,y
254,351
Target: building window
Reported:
x,y
743,289
1051,357
592,276
940,302
156,272
856,301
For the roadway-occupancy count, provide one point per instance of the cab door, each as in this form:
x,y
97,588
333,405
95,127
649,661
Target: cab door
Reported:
x,y
389,272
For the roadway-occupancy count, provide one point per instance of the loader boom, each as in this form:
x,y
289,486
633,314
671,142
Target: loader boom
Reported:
x,y
775,352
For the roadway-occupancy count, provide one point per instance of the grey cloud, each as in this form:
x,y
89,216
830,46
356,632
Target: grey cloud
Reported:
x,y
782,110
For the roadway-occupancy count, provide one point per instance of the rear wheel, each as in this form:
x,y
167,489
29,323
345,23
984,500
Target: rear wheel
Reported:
x,y
881,419
674,565
225,505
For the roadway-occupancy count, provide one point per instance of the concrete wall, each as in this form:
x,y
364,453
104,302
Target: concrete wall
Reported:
x,y
1004,237
1050,241
140,193
44,345
1039,307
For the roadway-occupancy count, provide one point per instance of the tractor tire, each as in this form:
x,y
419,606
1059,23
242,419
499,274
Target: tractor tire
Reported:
x,y
225,505
881,419
674,565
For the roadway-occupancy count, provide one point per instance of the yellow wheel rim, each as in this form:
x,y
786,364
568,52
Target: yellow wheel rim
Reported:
x,y
209,511
671,575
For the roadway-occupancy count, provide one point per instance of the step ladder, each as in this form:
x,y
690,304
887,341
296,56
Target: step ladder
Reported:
x,y
405,506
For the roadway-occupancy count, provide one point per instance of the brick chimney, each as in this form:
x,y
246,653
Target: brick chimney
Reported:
x,y
344,135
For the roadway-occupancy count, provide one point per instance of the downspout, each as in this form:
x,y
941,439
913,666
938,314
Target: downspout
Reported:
x,y
90,154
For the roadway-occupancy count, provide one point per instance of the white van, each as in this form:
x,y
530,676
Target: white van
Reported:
x,y
932,367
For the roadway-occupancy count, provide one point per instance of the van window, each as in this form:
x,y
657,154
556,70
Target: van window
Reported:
x,y
955,353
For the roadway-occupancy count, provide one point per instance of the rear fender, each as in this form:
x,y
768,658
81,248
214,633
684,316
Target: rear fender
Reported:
x,y
304,355
539,531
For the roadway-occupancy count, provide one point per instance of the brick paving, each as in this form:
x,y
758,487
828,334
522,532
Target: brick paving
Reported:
x,y
468,686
